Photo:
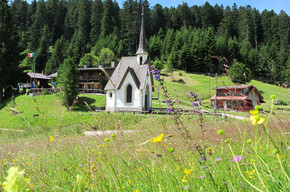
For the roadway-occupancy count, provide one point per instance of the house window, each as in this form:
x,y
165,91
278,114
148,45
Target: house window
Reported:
x,y
129,94
110,94
141,60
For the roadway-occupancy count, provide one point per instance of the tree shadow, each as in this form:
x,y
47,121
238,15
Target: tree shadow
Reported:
x,y
261,91
8,101
181,81
81,104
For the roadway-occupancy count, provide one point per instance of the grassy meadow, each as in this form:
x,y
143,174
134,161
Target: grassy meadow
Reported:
x,y
190,152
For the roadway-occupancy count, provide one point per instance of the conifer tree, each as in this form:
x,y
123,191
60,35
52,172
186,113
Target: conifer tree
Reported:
x,y
9,50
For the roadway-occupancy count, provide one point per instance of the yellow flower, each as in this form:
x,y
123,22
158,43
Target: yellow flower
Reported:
x,y
253,112
51,138
250,174
257,120
157,139
187,171
184,180
137,190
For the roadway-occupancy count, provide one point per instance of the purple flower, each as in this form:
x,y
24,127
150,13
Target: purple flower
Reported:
x,y
202,176
237,158
219,159
80,165
186,187
202,159
170,110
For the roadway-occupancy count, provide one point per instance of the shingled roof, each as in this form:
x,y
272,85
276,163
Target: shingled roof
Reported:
x,y
37,75
128,64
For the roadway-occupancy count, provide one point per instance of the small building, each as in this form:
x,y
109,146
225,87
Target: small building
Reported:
x,y
37,80
237,98
93,80
130,86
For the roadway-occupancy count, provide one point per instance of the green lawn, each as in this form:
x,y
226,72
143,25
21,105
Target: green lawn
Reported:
x,y
193,155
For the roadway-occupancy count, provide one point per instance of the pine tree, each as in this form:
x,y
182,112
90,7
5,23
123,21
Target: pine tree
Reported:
x,y
9,51
67,81
57,56
38,24
96,20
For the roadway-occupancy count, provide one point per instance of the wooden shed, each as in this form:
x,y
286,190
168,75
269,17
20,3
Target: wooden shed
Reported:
x,y
237,98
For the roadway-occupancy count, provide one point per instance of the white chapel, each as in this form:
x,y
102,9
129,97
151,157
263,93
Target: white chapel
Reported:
x,y
130,87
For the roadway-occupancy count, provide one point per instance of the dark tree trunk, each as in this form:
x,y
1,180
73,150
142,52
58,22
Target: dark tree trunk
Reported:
x,y
1,94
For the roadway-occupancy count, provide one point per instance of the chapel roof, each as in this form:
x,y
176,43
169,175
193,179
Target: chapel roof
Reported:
x,y
128,64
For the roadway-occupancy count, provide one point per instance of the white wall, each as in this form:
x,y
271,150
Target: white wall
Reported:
x,y
147,82
110,101
121,94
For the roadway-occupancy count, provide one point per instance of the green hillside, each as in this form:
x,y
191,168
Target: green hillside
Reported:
x,y
180,83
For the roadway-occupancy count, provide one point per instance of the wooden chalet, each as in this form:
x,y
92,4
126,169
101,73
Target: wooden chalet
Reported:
x,y
237,98
93,80
41,80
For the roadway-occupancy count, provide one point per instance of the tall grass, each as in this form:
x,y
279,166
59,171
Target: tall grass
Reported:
x,y
197,153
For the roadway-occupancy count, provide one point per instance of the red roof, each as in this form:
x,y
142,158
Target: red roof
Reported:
x,y
229,97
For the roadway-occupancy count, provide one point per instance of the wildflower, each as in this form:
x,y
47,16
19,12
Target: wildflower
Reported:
x,y
202,158
219,159
272,97
15,181
113,135
253,112
171,150
184,179
187,171
202,176
51,138
186,187
220,132
250,174
80,165
237,159
245,120
227,141
256,120
209,149
107,140
249,141
157,139
136,190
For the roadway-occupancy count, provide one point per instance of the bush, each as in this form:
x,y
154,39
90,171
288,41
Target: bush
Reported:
x,y
180,73
239,73
45,92
280,102
158,64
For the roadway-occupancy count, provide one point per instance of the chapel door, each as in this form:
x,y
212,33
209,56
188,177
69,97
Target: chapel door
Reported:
x,y
146,102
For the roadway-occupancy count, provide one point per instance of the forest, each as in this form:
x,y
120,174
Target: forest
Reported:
x,y
197,39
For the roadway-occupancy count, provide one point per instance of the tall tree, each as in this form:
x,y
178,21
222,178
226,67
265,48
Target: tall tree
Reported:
x,y
9,50
110,19
57,56
39,22
96,20
68,81
84,24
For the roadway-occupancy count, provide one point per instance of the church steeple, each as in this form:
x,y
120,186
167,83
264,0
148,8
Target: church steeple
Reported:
x,y
142,53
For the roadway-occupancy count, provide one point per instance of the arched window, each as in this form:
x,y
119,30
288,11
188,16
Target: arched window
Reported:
x,y
141,60
129,94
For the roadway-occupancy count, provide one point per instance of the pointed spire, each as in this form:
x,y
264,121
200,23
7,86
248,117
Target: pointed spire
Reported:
x,y
142,43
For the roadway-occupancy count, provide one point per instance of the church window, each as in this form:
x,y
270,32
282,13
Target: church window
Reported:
x,y
141,60
110,94
129,94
